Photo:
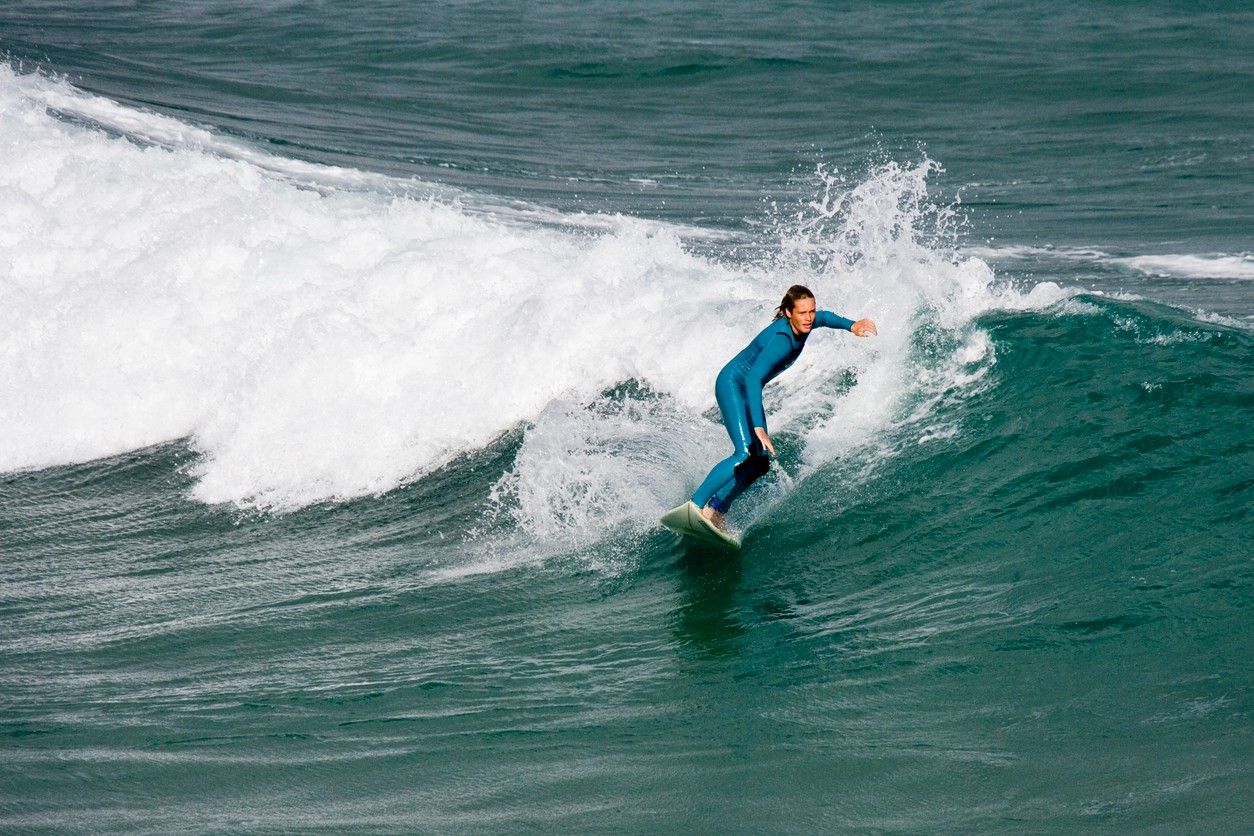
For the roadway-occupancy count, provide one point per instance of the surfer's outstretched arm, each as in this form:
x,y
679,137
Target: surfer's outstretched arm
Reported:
x,y
861,328
827,319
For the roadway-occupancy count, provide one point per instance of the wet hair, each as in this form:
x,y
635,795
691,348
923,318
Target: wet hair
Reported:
x,y
795,293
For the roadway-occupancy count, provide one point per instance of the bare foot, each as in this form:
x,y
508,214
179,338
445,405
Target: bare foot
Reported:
x,y
716,518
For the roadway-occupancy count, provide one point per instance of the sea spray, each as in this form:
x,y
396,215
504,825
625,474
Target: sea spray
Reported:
x,y
878,247
325,343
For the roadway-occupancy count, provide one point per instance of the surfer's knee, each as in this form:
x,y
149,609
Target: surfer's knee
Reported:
x,y
758,464
738,461
752,468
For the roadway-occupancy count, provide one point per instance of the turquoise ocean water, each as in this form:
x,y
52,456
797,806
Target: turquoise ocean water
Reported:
x,y
350,351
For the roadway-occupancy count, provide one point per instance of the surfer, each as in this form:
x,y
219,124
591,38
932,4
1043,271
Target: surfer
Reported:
x,y
738,390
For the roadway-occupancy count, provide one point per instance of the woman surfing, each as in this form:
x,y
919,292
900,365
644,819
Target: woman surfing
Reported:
x,y
738,390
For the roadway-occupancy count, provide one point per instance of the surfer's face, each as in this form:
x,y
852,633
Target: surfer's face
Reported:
x,y
801,317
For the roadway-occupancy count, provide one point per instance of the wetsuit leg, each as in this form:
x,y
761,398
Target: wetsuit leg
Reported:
x,y
729,478
747,472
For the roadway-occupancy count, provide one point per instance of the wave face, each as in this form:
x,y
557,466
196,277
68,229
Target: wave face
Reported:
x,y
334,427
322,344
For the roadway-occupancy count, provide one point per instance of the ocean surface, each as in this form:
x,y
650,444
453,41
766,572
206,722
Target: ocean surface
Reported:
x,y
349,353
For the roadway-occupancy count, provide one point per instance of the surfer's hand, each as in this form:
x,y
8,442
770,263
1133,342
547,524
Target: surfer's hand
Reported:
x,y
864,328
765,439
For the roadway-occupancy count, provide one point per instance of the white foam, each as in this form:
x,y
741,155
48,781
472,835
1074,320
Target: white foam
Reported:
x,y
1020,252
321,344
593,466
1218,266
1219,319
1178,265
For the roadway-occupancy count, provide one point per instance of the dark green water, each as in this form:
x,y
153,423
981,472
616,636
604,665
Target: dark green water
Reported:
x,y
328,496
993,632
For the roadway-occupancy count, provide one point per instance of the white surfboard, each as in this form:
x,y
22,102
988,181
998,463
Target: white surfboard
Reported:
x,y
686,519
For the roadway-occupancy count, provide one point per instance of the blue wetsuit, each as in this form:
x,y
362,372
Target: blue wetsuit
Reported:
x,y
738,390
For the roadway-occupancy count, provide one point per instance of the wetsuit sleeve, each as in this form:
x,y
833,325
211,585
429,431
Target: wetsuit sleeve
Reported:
x,y
774,353
827,319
